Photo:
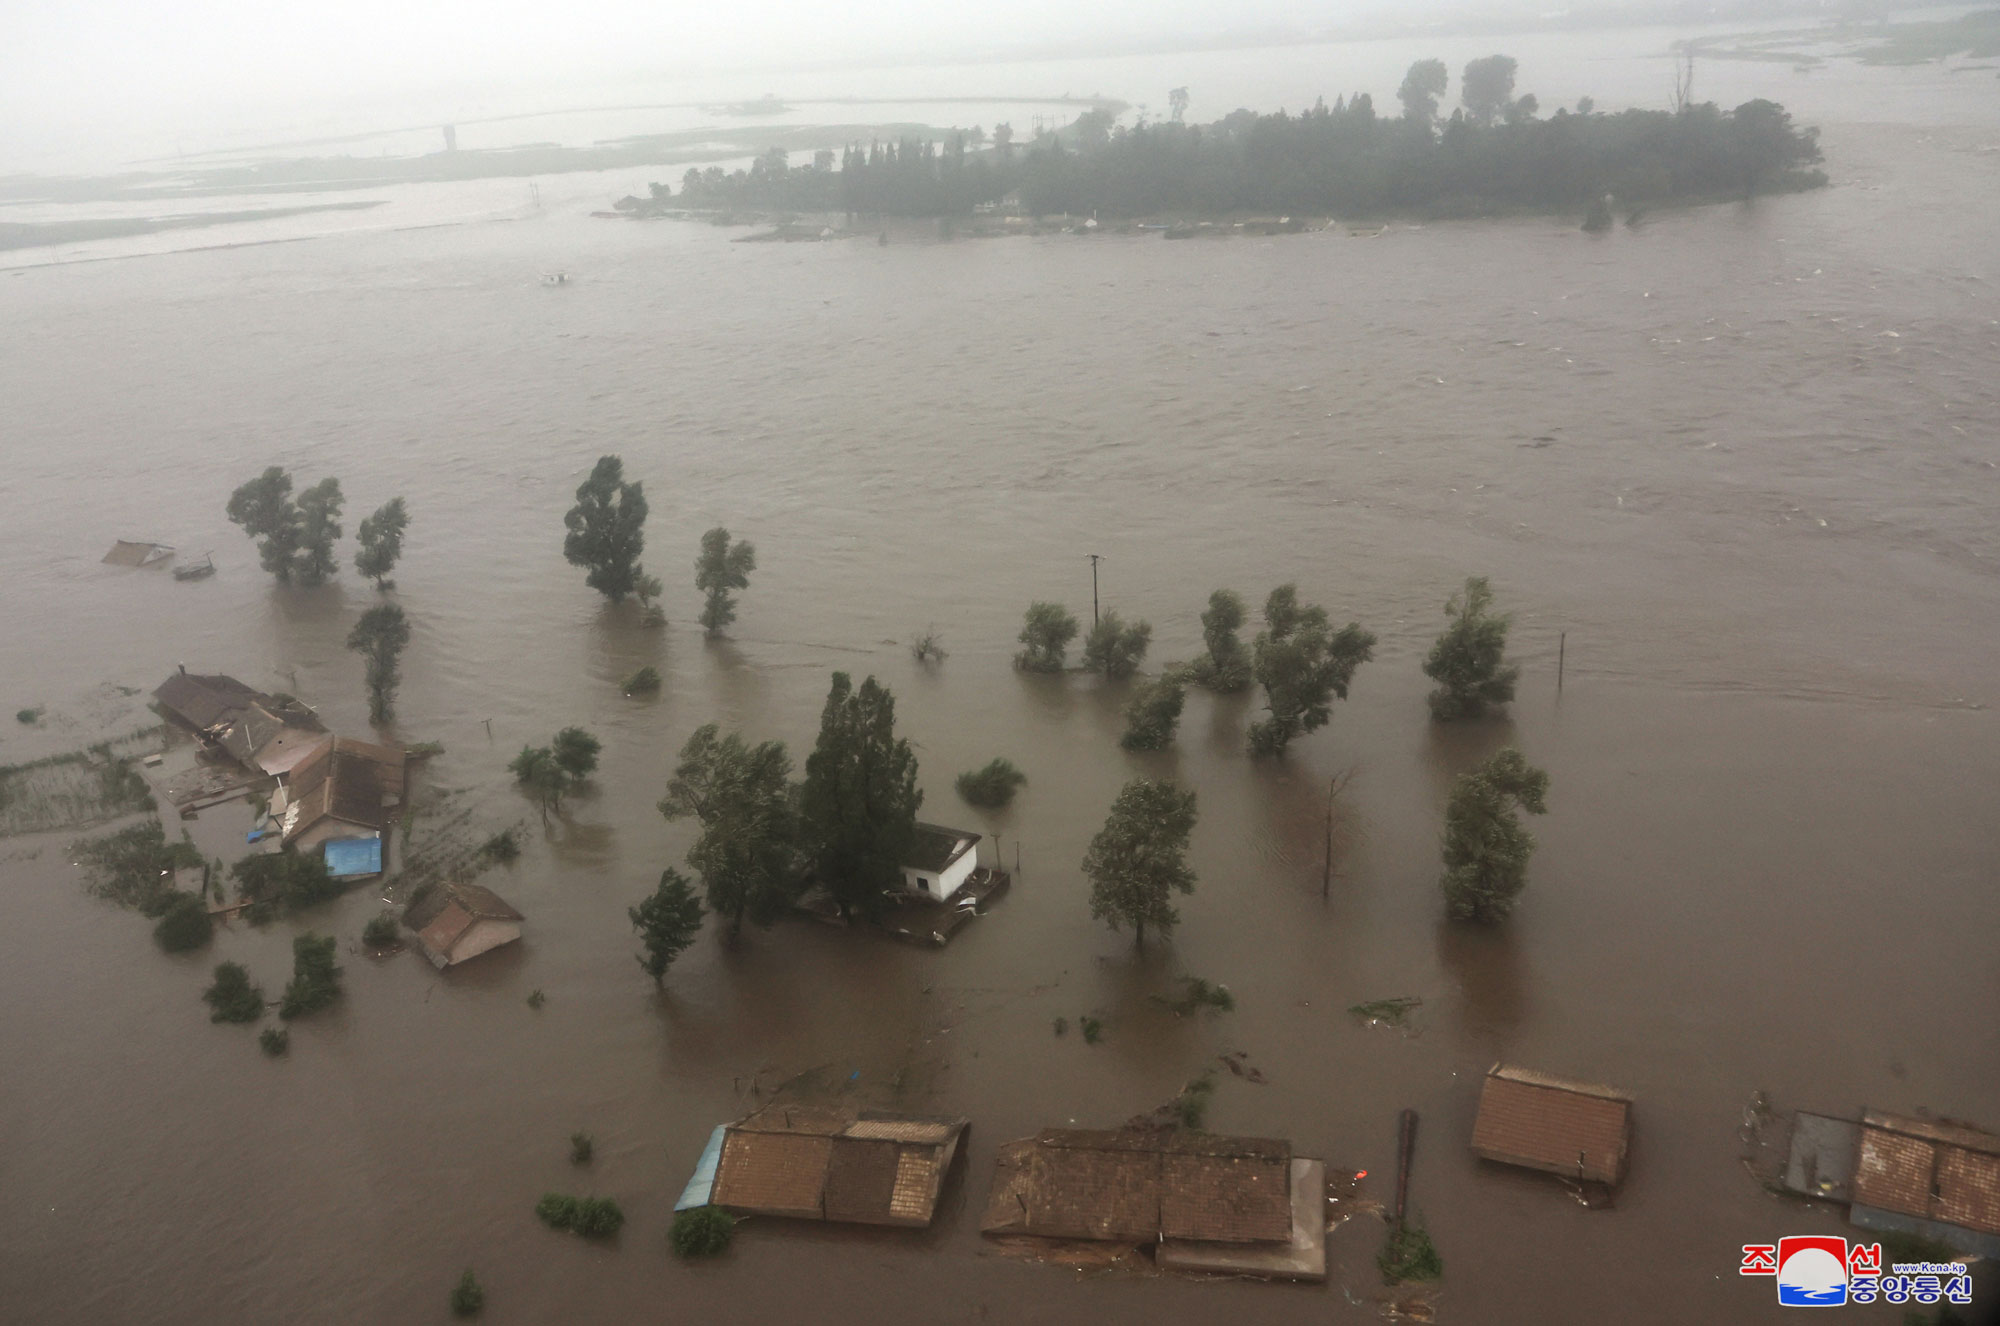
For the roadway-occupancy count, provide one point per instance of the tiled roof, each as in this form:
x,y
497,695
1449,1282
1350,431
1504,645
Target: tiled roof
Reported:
x,y
1139,1186
1577,1129
773,1173
821,1163
1918,1167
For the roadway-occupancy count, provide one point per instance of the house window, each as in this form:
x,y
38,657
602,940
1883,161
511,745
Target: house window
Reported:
x,y
923,885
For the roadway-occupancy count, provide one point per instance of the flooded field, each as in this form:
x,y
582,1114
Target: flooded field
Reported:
x,y
1742,460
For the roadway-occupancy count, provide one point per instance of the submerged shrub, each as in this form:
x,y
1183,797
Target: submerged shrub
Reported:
x,y
467,1298
702,1231
275,1040
315,979
643,682
382,931
185,924
581,1148
991,786
1408,1255
232,998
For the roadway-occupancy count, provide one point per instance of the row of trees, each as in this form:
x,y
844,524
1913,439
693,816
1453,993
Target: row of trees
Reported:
x,y
295,536
1492,154
607,535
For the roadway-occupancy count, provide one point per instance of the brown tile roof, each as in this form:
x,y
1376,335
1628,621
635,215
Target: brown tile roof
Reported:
x,y
823,1163
773,1173
933,1132
484,903
351,781
1139,1186
860,1178
203,701
445,928
1576,1129
1934,1171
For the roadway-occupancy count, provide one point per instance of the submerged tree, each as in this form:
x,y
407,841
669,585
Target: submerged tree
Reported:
x,y
742,797
1225,668
232,998
549,772
381,541
265,510
1487,88
992,785
1046,632
1302,663
315,979
380,638
575,752
722,566
667,921
1469,660
1153,712
1114,648
1138,860
319,529
859,804
1486,849
607,530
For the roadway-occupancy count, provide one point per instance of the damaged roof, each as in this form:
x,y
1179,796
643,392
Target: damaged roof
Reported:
x,y
1580,1130
933,847
1929,1170
821,1163
1140,1186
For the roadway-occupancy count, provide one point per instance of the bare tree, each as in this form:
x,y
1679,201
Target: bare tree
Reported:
x,y
1683,77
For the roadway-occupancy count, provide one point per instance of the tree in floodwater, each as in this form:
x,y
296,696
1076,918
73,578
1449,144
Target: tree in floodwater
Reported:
x,y
1486,849
858,808
1303,664
548,772
742,797
1138,860
319,529
1468,662
1225,669
265,510
1422,87
1487,88
1114,648
667,921
315,979
722,566
1153,712
607,530
381,538
1046,632
380,637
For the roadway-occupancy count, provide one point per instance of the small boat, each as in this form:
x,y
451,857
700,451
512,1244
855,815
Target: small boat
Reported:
x,y
555,278
200,570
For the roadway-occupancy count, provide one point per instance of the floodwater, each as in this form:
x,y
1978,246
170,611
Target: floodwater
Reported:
x,y
1738,464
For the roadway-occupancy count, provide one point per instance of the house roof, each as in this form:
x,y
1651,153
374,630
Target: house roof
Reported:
x,y
1140,1186
934,847
202,701
1930,1170
126,553
443,918
353,858
258,730
348,780
1576,1129
820,1163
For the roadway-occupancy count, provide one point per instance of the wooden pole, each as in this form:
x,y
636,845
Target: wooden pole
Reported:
x,y
1406,1145
1326,870
1094,559
1562,648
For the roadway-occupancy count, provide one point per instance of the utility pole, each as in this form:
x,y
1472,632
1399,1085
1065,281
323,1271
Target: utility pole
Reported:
x,y
1094,560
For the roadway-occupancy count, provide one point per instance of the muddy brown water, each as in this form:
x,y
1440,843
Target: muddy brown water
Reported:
x,y
1744,458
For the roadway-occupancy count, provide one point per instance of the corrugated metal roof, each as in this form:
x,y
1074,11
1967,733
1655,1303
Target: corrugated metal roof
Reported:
x,y
1577,1129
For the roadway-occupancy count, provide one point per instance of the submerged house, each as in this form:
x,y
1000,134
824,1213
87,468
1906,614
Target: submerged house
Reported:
x,y
263,733
342,789
1579,1130
1902,1174
940,861
1211,1203
819,1163
461,921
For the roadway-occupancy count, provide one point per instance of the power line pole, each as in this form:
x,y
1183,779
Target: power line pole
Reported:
x,y
1094,560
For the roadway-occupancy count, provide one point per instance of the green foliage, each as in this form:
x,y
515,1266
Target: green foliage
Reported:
x,y
927,646
319,528
858,808
1408,1255
548,772
1468,662
467,1298
646,681
1225,668
702,1231
1114,648
1138,860
667,921
1153,713
1092,1029
380,637
607,530
232,998
315,979
592,1217
1302,663
581,1148
721,567
502,848
185,924
747,854
282,883
575,750
536,998
991,786
265,510
1486,849
1046,631
29,717
274,1041
134,866
381,542
1597,216
1189,1109
1392,1012
1200,994
382,930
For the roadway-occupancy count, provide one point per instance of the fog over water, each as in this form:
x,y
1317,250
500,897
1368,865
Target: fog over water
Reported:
x,y
1742,457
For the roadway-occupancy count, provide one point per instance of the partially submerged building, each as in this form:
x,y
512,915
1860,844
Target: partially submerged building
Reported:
x,y
341,789
1579,1130
268,734
127,553
940,861
1211,1203
1902,1174
821,1163
461,921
